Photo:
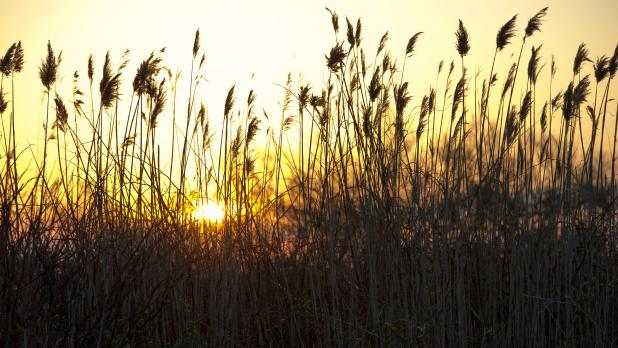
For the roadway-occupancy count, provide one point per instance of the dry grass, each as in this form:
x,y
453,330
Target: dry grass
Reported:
x,y
392,226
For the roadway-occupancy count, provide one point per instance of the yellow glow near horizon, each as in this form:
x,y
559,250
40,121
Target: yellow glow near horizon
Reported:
x,y
254,44
207,210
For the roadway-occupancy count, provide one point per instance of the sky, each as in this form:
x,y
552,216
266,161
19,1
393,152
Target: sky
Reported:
x,y
255,44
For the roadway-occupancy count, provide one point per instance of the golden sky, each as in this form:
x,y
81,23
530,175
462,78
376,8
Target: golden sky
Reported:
x,y
270,38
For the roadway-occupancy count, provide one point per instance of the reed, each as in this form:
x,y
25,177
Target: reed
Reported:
x,y
360,216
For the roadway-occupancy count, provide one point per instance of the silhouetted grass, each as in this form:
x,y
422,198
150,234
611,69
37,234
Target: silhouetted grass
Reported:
x,y
384,223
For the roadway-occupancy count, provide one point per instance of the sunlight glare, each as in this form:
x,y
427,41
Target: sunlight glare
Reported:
x,y
208,211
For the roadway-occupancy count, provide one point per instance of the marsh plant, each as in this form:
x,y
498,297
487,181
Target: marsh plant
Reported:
x,y
482,213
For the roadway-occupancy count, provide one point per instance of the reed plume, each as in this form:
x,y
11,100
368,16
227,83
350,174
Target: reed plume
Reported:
x,y
581,91
49,68
357,33
580,58
3,102
533,64
13,59
613,63
534,23
457,96
462,40
18,58
334,60
543,119
159,97
567,103
382,43
6,63
526,105
90,68
601,68
412,44
350,33
334,18
147,71
109,85
506,33
62,116
196,43
229,101
422,120
511,127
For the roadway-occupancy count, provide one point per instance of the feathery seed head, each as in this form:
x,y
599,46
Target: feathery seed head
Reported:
x,y
533,64
49,67
3,103
287,96
580,57
62,116
252,129
235,145
374,85
412,43
147,71
350,33
288,122
511,126
422,120
458,96
90,68
363,62
229,101
613,63
357,34
509,79
506,33
463,40
367,125
432,99
250,98
534,23
526,105
206,136
401,97
581,91
316,101
109,85
201,115
382,44
590,112
334,61
6,63
556,102
386,62
567,103
303,97
18,58
196,43
494,79
544,118
159,100
601,68
334,18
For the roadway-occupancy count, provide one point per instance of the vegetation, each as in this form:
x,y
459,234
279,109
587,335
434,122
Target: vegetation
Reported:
x,y
481,217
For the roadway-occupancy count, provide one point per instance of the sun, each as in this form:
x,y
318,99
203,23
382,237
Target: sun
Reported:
x,y
208,211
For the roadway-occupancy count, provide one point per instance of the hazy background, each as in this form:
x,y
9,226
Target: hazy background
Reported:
x,y
270,38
